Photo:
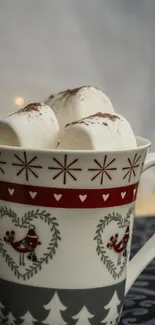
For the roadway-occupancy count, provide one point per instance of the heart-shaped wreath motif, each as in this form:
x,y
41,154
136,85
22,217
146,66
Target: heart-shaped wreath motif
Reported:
x,y
26,245
102,249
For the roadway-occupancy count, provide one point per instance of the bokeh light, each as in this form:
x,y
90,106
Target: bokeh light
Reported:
x,y
19,101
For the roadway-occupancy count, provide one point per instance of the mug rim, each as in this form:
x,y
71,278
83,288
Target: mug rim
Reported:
x,y
142,143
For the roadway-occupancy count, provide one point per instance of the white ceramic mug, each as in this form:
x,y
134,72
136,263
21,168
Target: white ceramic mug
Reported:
x,y
66,220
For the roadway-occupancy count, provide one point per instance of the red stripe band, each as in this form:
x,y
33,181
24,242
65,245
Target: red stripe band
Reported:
x,y
67,197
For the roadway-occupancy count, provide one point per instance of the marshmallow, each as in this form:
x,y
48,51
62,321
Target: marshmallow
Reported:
x,y
34,126
98,132
74,104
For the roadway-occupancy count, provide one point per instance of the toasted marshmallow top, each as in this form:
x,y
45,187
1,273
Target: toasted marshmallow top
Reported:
x,y
101,131
74,104
34,126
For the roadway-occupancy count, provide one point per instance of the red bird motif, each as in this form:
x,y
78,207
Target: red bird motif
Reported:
x,y
119,247
26,245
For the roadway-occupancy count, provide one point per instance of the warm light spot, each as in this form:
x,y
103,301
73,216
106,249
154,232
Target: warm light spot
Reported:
x,y
19,101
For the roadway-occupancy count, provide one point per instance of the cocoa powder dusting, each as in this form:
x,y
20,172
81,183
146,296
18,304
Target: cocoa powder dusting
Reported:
x,y
71,92
51,97
106,115
99,114
30,108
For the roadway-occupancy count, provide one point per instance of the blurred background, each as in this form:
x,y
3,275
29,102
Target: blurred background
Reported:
x,y
50,45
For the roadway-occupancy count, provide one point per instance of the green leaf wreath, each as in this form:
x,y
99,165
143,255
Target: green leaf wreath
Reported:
x,y
100,249
23,223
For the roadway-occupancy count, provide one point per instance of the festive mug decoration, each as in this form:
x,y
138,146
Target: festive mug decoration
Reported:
x,y
119,246
115,244
67,169
56,306
27,245
80,189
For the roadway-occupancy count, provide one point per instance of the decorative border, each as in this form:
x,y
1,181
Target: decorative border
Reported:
x,y
67,169
67,198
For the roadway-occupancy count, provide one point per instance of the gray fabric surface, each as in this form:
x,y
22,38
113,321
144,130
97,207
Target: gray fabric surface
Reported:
x,y
139,304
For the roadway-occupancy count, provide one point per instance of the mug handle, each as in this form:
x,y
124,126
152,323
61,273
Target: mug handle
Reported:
x,y
147,253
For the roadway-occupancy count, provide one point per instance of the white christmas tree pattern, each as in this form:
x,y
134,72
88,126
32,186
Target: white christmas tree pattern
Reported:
x,y
2,317
113,315
83,317
26,166
65,168
119,317
28,319
11,320
55,307
131,169
104,168
3,163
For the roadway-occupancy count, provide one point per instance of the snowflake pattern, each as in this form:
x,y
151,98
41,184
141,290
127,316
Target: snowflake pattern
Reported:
x,y
103,169
65,169
131,169
3,163
26,166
